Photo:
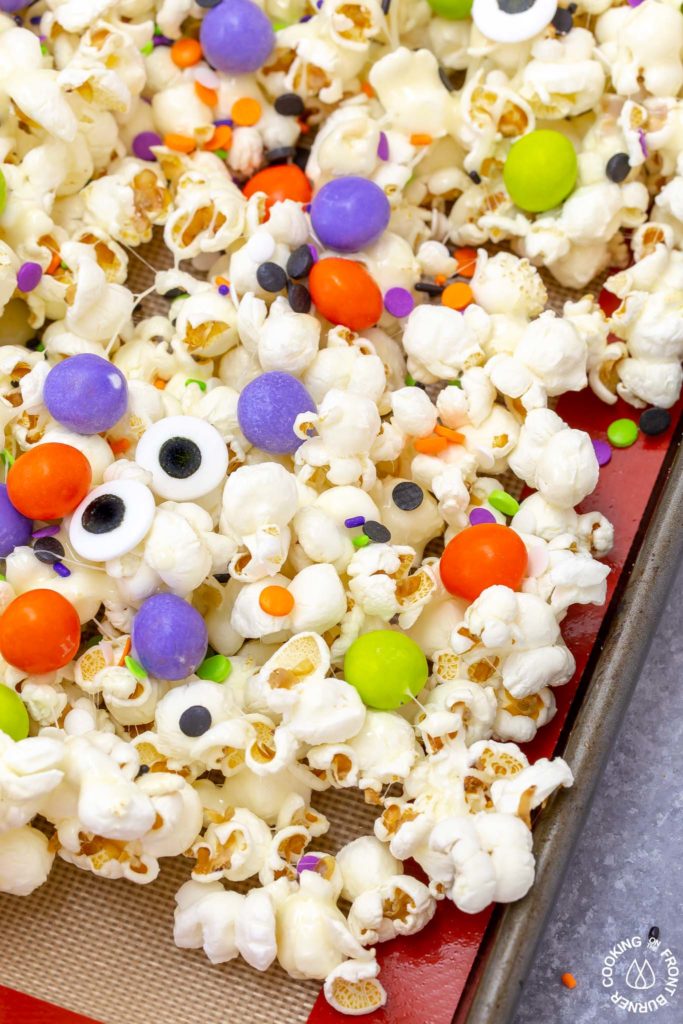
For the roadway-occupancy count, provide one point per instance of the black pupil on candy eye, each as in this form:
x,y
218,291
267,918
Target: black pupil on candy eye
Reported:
x,y
104,514
515,6
180,457
195,721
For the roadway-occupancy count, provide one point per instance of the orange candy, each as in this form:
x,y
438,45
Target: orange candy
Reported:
x,y
186,52
276,601
246,112
49,481
221,138
457,295
345,293
39,632
466,259
206,95
283,181
483,556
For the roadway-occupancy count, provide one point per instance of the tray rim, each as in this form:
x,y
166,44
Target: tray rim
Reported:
x,y
509,947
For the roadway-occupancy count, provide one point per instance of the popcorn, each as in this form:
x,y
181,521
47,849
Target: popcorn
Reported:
x,y
401,905
441,342
25,860
365,864
565,468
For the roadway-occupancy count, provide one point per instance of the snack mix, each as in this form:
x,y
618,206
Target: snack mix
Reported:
x,y
260,517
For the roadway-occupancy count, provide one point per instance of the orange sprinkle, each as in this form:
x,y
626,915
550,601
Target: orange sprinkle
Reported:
x,y
467,261
276,601
452,436
206,95
221,138
222,280
440,279
367,89
181,143
54,263
160,383
303,127
431,445
246,112
569,980
457,296
421,139
120,446
126,651
186,52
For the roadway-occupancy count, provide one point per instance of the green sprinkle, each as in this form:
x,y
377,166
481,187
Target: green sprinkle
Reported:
x,y
503,502
40,348
410,381
135,668
622,433
3,578
361,541
147,48
63,265
279,25
216,669
183,295
7,457
43,49
456,384
222,154
193,380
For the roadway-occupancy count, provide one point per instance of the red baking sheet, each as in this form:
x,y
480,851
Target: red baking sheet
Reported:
x,y
425,974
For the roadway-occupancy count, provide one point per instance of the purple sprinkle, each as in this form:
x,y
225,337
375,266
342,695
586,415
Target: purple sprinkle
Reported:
x,y
643,142
142,145
29,276
224,120
162,41
61,570
603,452
383,147
478,516
36,19
223,289
354,521
309,862
46,531
306,17
314,253
634,3
399,302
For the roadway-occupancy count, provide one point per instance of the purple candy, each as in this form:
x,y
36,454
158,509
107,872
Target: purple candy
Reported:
x,y
142,145
603,452
383,147
399,302
481,515
29,276
267,408
349,213
86,394
169,637
15,529
10,6
236,37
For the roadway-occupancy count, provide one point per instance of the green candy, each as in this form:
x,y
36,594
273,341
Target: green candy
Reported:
x,y
215,669
13,714
454,10
387,668
540,171
3,192
503,502
622,433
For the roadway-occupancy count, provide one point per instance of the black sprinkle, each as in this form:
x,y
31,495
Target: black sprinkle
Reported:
x,y
33,344
290,105
144,769
562,21
14,383
180,457
281,155
386,4
221,577
299,297
653,932
271,277
376,532
301,157
654,421
407,496
429,288
174,293
48,550
618,167
195,721
300,263
104,514
443,75
476,178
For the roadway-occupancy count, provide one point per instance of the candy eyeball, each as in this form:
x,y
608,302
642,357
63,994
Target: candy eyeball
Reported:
x,y
186,456
512,21
112,520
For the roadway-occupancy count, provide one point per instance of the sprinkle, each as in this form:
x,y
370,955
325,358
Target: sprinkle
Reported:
x,y
261,247
54,264
290,104
46,531
7,457
466,259
223,121
175,293
452,436
618,167
276,601
223,289
608,302
125,652
368,90
407,496
354,521
186,52
61,569
478,516
503,502
399,302
457,295
653,932
622,433
142,145
160,383
603,452
222,154
207,96
432,445
222,281
383,147
377,532
300,263
200,383
410,381
29,276
361,541
455,384
643,142
216,669
48,550
568,980
299,297
386,4
421,139
309,862
146,49
314,252
121,445
159,39
271,277
221,138
429,288
655,421
246,111
180,143
134,667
